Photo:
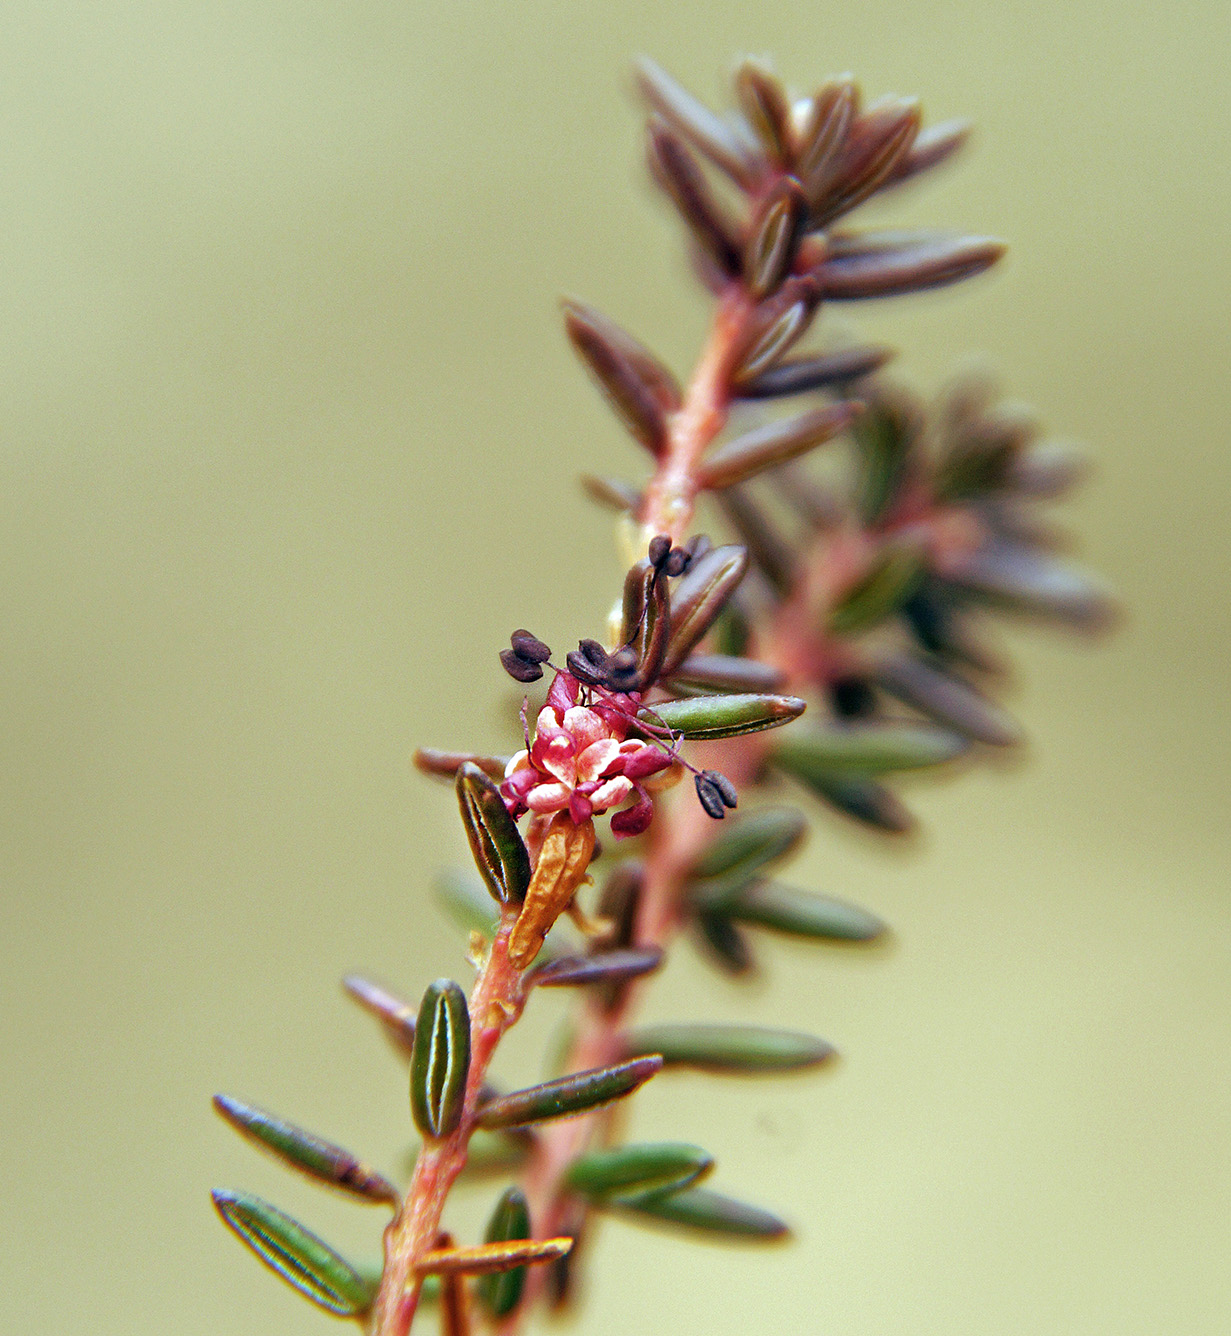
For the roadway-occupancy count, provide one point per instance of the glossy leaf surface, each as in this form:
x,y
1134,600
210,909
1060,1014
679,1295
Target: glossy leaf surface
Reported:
x,y
640,1167
500,1292
303,1150
701,718
440,1063
496,843
304,1261
568,1095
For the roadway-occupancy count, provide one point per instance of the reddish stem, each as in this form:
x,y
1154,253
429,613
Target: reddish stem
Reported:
x,y
681,830
679,835
495,1003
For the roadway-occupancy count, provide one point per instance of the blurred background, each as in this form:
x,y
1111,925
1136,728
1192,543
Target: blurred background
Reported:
x,y
288,442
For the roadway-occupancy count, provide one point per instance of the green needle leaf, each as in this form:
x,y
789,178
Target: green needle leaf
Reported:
x,y
895,574
569,1094
647,1167
865,749
303,1150
864,800
708,1212
500,1292
441,1059
797,913
751,842
499,850
305,1262
735,1049
704,718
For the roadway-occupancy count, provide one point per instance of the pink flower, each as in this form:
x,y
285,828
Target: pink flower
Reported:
x,y
582,759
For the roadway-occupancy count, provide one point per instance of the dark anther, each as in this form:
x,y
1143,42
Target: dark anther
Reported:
x,y
521,670
594,652
660,546
676,562
697,546
710,797
527,646
852,697
724,786
583,670
622,668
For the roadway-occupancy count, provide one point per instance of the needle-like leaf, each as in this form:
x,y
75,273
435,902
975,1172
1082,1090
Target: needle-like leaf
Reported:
x,y
749,844
603,967
705,131
500,1292
795,913
304,1261
732,1049
773,444
568,1095
640,1167
892,264
872,748
496,843
395,1014
440,1062
702,718
486,1259
708,1212
303,1150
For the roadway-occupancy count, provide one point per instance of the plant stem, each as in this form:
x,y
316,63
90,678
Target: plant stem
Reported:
x,y
681,830
496,1002
680,834
669,501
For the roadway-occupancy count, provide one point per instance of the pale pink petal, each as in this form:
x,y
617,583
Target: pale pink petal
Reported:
x,y
585,726
596,758
518,761
548,797
613,791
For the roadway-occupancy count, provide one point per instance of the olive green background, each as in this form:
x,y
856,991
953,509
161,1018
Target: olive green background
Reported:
x,y
288,435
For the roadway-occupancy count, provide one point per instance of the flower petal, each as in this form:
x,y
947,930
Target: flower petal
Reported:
x,y
596,758
642,760
586,726
617,710
562,694
633,820
548,797
613,791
